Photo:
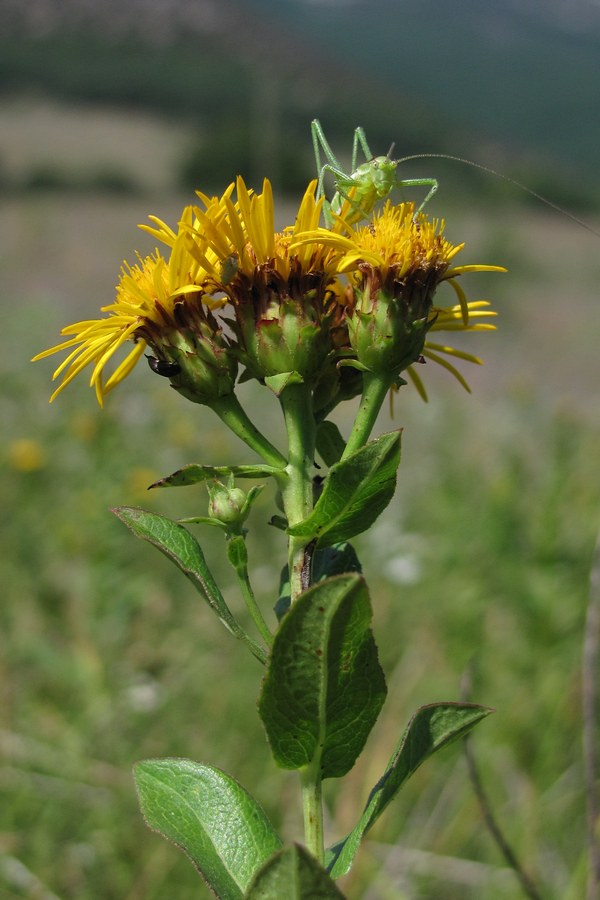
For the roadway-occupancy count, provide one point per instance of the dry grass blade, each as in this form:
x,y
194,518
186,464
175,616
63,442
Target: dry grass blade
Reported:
x,y
529,888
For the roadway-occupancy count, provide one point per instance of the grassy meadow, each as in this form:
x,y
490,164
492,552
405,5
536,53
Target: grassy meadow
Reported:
x,y
482,561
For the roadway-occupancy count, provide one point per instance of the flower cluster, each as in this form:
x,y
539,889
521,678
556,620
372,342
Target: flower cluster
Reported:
x,y
306,302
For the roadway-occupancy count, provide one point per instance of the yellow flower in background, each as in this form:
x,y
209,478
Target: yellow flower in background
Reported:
x,y
26,455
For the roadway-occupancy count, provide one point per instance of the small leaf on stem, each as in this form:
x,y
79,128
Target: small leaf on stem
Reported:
x,y
330,443
183,549
355,493
195,473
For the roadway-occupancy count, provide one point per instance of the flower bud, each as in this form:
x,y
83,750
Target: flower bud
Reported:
x,y
227,504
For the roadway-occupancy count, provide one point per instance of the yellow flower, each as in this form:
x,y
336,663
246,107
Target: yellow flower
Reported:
x,y
26,455
157,300
283,310
226,252
395,265
245,230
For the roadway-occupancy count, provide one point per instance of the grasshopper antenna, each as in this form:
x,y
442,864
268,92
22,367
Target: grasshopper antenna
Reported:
x,y
391,150
513,181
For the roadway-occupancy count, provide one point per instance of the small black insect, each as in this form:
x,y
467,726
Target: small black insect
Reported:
x,y
162,367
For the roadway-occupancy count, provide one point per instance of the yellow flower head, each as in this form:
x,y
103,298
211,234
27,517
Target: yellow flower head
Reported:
x,y
241,237
290,314
279,292
159,303
395,264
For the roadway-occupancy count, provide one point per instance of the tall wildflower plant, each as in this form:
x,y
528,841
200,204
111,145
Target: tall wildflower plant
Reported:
x,y
318,317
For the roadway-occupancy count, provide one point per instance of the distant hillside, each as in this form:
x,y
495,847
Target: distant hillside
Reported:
x,y
513,83
511,71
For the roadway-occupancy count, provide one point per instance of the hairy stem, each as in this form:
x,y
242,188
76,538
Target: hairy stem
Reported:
x,y
297,493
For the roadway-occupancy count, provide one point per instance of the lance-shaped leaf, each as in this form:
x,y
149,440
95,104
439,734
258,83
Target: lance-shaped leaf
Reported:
x,y
324,686
431,728
183,549
355,493
293,874
196,473
211,817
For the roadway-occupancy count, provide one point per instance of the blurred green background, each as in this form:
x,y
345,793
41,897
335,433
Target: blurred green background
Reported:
x,y
110,112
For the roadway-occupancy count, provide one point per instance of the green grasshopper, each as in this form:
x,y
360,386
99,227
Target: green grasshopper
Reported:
x,y
371,181
376,178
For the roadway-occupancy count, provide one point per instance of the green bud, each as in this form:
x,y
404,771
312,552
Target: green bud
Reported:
x,y
227,504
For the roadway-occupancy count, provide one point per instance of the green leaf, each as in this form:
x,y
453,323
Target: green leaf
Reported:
x,y
330,443
183,549
355,493
196,473
279,522
431,728
293,874
211,817
335,560
324,686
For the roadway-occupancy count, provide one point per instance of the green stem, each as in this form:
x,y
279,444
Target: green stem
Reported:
x,y
375,388
240,564
255,612
312,803
252,646
297,492
233,415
